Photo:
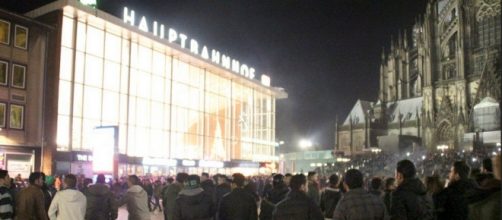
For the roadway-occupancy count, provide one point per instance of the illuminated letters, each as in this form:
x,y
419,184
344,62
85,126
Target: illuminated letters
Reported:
x,y
244,70
172,35
128,18
194,46
160,33
183,39
235,66
204,54
225,61
215,56
142,24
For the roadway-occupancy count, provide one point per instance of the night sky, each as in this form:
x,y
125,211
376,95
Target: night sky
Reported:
x,y
325,54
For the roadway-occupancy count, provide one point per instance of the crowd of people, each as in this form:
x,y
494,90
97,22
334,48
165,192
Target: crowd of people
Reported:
x,y
413,191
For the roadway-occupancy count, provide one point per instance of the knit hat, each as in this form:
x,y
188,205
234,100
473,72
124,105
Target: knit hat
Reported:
x,y
192,182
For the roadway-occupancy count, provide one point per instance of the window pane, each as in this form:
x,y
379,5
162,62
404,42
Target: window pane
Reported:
x,y
158,63
81,36
110,107
18,76
64,97
66,64
78,99
16,120
112,50
93,71
21,39
92,103
76,130
67,32
3,110
4,32
63,133
112,76
3,73
95,38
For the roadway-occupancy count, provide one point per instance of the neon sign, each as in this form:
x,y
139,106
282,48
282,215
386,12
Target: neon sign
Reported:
x,y
190,44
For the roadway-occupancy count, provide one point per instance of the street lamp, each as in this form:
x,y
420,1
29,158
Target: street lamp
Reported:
x,y
304,143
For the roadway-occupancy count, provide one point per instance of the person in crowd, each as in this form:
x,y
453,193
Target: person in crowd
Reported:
x,y
101,204
238,204
410,199
48,195
297,205
452,202
390,186
222,188
330,197
268,185
136,200
356,203
485,202
487,167
116,188
68,204
6,199
148,187
30,202
287,178
206,183
157,195
170,193
251,188
434,186
277,194
193,203
375,186
313,186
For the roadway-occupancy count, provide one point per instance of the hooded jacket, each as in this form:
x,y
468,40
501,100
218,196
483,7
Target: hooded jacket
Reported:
x,y
238,205
194,204
329,200
136,200
484,202
30,204
297,206
452,201
407,200
101,204
273,197
69,204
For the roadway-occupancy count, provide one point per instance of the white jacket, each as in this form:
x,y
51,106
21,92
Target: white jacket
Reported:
x,y
68,204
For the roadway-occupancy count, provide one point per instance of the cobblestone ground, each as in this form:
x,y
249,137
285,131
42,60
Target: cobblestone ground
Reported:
x,y
123,214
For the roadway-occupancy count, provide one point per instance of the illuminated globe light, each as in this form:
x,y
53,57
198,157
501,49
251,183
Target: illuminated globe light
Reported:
x,y
474,159
423,157
305,143
408,154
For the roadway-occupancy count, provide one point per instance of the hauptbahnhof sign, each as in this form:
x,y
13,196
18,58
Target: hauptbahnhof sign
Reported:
x,y
191,44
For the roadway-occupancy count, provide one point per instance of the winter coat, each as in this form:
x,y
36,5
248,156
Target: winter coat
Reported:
x,y
238,205
194,204
313,191
329,200
68,204
297,206
359,204
169,199
485,202
30,204
407,199
452,201
136,200
268,203
101,204
220,191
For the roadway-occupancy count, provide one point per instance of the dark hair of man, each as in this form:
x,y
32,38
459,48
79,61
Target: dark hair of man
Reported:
x,y
101,178
376,183
134,180
389,182
487,165
333,180
311,174
205,174
297,181
461,168
278,180
34,176
170,180
3,173
181,177
406,168
288,175
353,179
70,180
238,179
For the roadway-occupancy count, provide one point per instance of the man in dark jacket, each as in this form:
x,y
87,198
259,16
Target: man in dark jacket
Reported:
x,y
193,203
452,201
313,186
356,203
222,188
170,193
330,197
238,204
274,196
297,205
101,204
410,200
206,183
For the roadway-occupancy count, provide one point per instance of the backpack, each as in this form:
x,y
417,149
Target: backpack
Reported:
x,y
425,207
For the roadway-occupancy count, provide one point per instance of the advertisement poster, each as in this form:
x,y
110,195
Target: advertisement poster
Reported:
x,y
19,167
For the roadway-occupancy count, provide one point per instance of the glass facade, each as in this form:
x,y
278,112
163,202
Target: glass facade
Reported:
x,y
164,104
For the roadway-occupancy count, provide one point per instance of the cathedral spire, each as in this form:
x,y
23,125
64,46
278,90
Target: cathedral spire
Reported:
x,y
383,54
399,39
391,43
405,39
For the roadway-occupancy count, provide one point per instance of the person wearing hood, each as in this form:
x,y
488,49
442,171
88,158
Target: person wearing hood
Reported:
x,y
136,200
274,196
485,202
238,204
410,199
452,201
330,197
193,203
68,204
101,204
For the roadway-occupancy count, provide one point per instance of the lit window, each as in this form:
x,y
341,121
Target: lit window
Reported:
x,y
16,120
64,97
4,32
21,37
18,76
63,132
67,32
2,114
4,69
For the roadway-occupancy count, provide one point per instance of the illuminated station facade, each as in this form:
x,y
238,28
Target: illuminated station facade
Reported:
x,y
132,96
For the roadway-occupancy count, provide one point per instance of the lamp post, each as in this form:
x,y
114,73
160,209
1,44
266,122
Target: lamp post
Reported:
x,y
305,143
